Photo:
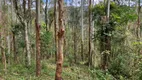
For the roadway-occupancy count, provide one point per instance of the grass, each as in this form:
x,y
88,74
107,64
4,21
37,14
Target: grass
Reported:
x,y
20,72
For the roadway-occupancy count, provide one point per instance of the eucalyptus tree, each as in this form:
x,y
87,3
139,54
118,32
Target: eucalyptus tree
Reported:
x,y
138,20
91,33
13,33
55,28
37,24
82,30
24,17
3,32
89,56
59,63
46,14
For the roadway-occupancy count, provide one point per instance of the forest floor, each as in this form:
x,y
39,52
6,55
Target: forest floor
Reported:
x,y
20,72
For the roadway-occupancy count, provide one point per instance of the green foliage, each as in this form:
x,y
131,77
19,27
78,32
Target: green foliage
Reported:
x,y
101,75
17,28
20,69
119,16
74,16
116,28
119,67
122,14
46,39
140,72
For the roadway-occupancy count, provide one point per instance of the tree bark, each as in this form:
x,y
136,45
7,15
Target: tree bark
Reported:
x,y
138,21
3,42
8,40
89,56
28,54
38,55
46,11
14,49
82,30
24,20
55,29
59,63
75,43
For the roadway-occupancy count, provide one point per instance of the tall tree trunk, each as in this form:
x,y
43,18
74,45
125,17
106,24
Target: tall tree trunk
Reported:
x,y
3,43
26,25
82,30
11,36
138,26
75,43
89,56
24,7
59,63
3,47
24,20
8,39
92,36
14,49
38,63
55,29
28,54
74,36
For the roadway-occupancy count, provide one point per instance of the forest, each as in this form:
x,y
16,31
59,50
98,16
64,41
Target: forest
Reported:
x,y
70,40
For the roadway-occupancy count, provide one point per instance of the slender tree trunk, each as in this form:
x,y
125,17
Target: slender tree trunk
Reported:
x,y
38,63
14,49
55,29
24,7
46,20
8,39
74,37
26,25
3,42
11,36
59,63
82,30
89,56
75,43
92,38
138,26
28,54
25,22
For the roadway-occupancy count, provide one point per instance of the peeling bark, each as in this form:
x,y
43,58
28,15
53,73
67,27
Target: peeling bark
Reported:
x,y
59,63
